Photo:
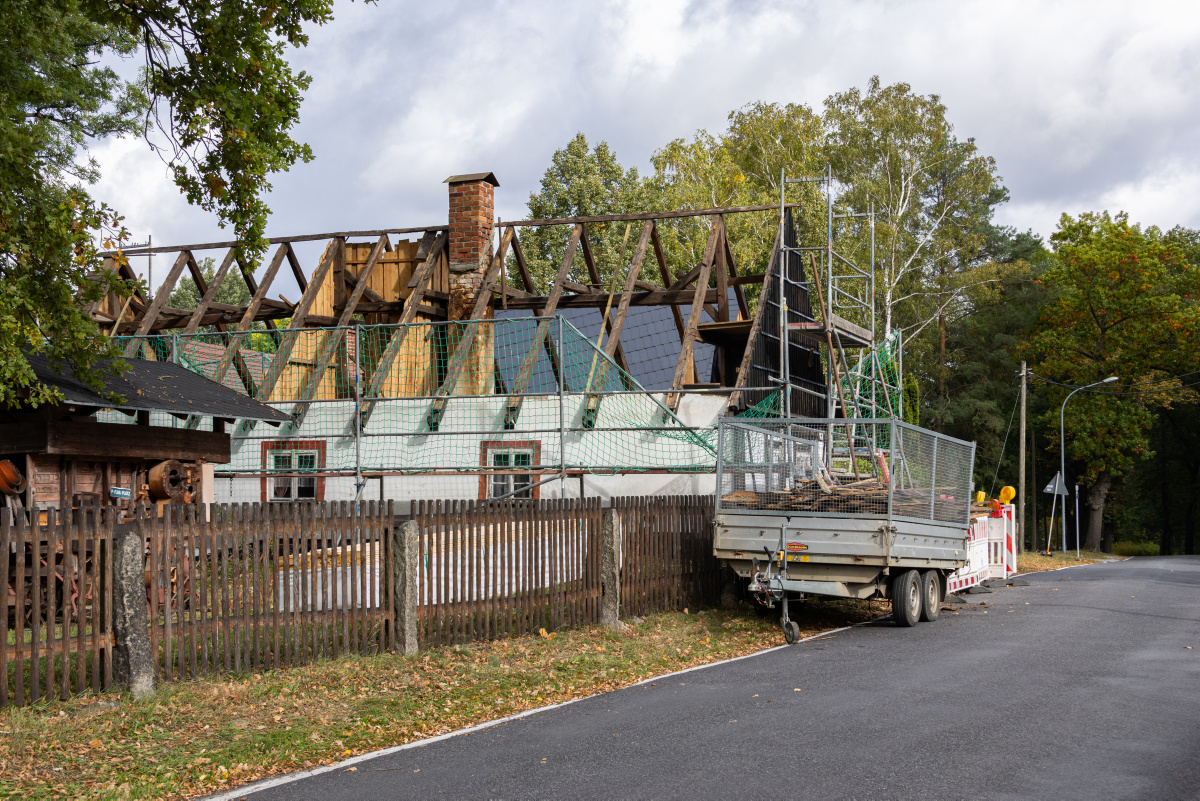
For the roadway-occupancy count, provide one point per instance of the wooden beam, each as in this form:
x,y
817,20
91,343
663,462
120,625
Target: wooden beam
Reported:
x,y
280,240
297,272
721,269
159,301
649,215
209,292
412,303
522,267
594,274
599,375
665,274
337,336
743,306
743,373
689,333
335,249
468,340
260,292
525,373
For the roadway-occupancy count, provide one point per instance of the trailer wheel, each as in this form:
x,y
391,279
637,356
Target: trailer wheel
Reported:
x,y
791,632
931,596
906,599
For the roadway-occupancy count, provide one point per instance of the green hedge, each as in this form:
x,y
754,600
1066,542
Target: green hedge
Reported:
x,y
1135,548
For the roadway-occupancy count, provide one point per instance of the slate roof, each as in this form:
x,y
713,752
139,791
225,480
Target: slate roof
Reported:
x,y
154,386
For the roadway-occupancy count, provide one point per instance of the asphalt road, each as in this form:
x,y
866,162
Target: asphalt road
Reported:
x,y
1077,686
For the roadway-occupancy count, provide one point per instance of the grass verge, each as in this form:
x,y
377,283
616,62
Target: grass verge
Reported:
x,y
210,734
1033,562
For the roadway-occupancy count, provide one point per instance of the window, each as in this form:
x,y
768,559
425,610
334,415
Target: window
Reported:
x,y
504,483
509,469
293,470
294,487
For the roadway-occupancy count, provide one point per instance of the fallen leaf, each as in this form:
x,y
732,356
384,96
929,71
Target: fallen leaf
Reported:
x,y
796,690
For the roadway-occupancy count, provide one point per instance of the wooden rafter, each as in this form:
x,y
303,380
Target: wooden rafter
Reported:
x,y
738,292
600,376
335,250
594,274
208,292
525,373
337,336
468,340
247,320
159,301
743,373
427,256
690,331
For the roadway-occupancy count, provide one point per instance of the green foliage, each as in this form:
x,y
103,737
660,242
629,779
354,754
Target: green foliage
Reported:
x,y
580,182
1124,306
233,289
895,151
216,96
741,167
53,97
912,400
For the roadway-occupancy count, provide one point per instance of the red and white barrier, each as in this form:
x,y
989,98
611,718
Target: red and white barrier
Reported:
x,y
991,550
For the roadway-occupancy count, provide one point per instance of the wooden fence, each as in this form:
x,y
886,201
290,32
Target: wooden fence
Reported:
x,y
57,628
261,586
506,568
666,553
502,569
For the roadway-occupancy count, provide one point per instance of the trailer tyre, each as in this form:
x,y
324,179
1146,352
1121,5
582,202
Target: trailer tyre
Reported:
x,y
931,596
791,632
906,599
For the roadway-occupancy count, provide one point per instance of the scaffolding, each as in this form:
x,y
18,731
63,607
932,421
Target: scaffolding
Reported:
x,y
872,388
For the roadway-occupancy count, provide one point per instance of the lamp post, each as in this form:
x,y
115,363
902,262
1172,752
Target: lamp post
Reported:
x,y
1062,455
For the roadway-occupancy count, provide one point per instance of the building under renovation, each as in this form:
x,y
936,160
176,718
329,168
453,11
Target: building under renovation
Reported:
x,y
420,363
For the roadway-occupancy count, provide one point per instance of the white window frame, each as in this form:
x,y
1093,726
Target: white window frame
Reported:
x,y
500,484
293,483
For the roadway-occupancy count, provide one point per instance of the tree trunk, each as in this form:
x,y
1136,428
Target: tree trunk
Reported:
x,y
1097,495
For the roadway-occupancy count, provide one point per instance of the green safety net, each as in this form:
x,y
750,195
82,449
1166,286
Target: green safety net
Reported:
x,y
437,397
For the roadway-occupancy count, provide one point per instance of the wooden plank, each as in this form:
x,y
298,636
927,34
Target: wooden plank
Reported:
x,y
203,594
689,333
743,373
522,266
6,547
85,523
55,523
160,299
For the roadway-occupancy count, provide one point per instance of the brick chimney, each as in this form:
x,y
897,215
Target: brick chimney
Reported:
x,y
471,216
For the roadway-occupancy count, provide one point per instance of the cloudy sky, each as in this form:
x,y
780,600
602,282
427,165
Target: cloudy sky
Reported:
x,y
1085,106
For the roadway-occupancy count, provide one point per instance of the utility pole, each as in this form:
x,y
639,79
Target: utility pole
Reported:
x,y
1021,472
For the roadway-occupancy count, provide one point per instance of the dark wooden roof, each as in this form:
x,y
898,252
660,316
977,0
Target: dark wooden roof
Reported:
x,y
158,387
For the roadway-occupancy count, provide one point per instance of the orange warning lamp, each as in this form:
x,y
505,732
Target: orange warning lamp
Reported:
x,y
1007,494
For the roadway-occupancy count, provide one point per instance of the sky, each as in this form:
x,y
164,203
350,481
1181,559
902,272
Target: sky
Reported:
x,y
1085,106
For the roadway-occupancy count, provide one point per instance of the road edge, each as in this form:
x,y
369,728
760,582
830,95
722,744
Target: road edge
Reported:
x,y
290,778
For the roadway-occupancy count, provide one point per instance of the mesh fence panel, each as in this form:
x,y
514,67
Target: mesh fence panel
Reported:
x,y
843,468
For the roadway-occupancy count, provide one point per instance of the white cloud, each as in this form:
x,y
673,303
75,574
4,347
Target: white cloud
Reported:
x,y
1084,105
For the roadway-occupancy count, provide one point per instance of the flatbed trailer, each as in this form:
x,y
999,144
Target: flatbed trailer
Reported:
x,y
848,508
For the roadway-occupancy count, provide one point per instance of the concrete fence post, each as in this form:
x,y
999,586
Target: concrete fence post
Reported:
x,y
610,569
132,660
406,547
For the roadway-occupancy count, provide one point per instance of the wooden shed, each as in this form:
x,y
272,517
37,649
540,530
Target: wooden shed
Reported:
x,y
172,431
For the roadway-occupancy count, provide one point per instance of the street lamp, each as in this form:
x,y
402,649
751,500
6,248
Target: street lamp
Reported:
x,y
1062,459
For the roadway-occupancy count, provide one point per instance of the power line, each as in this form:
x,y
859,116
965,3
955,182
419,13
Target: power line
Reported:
x,y
1017,400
